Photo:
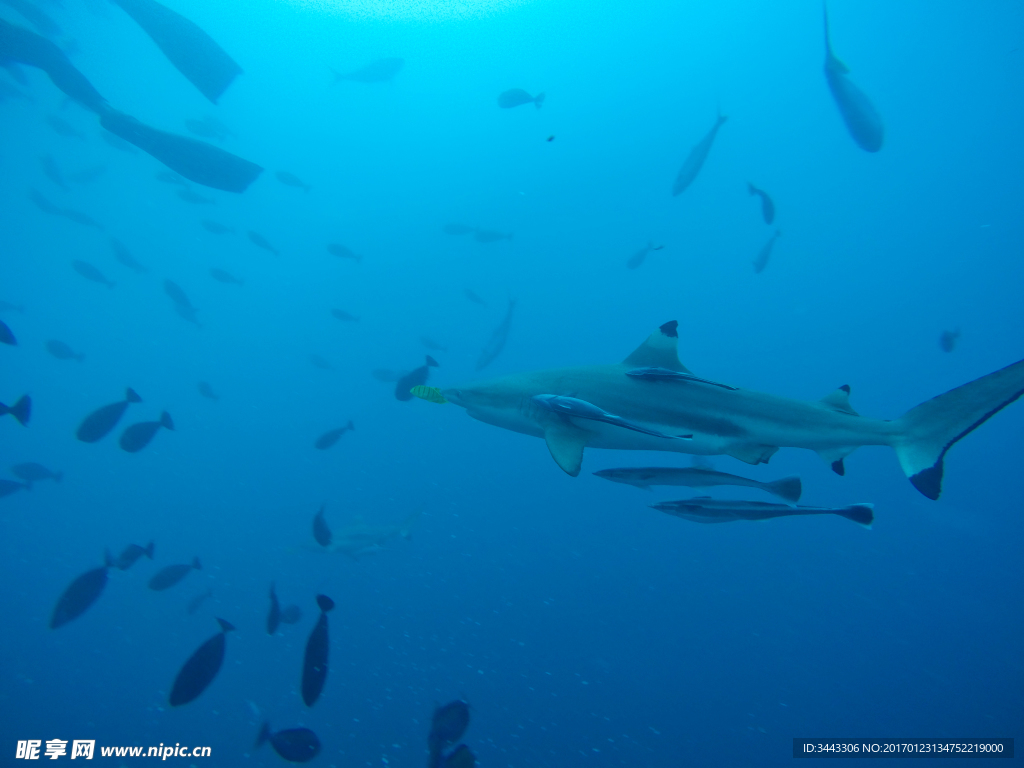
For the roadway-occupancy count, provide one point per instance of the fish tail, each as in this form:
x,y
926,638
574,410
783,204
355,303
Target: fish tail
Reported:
x,y
431,362
132,396
150,548
21,410
788,488
862,514
538,100
264,733
165,421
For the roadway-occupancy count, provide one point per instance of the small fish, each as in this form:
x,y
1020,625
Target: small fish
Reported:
x,y
457,229
43,204
664,374
33,472
200,669
490,236
638,258
137,436
430,394
859,114
707,510
21,410
341,314
291,180
321,532
260,242
342,252
89,272
118,143
88,175
386,374
131,554
413,378
499,336
765,253
379,71
296,745
124,256
216,228
314,662
573,407
320,363
274,614
291,614
695,160
7,335
52,171
80,594
788,488
191,197
169,177
170,575
948,340
447,725
63,127
224,277
97,424
474,297
7,487
432,345
767,206
517,97
197,602
327,439
207,391
62,351
175,292
80,218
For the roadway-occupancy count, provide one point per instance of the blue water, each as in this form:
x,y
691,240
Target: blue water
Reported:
x,y
584,628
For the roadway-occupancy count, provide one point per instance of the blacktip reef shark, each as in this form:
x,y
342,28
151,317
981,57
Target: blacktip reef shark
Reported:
x,y
667,401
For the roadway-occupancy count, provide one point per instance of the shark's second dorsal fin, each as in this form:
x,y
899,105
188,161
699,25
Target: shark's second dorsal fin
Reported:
x,y
659,351
566,444
839,400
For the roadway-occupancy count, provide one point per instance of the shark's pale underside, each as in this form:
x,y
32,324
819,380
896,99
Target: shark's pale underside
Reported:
x,y
750,426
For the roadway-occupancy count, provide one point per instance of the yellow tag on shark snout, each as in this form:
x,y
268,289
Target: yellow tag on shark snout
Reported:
x,y
430,394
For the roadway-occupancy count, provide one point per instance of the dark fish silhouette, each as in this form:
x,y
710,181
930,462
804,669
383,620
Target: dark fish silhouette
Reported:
x,y
448,724
137,436
97,424
207,391
861,118
314,663
767,206
33,472
708,510
42,203
496,343
321,532
216,228
63,127
457,229
460,757
124,256
327,439
765,253
414,378
638,258
474,298
291,180
87,175
21,410
432,345
89,272
182,305
192,52
274,614
379,71
7,487
516,97
948,340
695,160
320,362
6,335
52,171
80,595
491,236
296,745
788,488
291,614
261,242
342,252
197,602
191,197
131,554
170,575
62,351
200,669
224,277
341,314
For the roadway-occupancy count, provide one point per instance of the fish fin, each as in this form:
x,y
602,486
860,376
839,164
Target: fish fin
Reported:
x,y
834,457
264,734
22,410
132,396
165,421
788,488
752,453
431,362
659,351
566,444
150,548
863,514
839,400
225,625
196,564
325,603
929,430
831,62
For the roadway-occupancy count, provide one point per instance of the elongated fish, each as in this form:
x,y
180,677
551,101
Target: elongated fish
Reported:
x,y
861,118
573,407
314,663
80,594
261,242
124,256
329,438
517,97
170,575
291,180
707,510
130,554
274,614
7,487
63,351
767,206
97,424
89,272
321,531
788,488
296,745
695,160
201,667
765,253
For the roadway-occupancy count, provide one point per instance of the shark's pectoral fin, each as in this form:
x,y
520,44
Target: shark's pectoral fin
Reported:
x,y
659,351
752,453
566,444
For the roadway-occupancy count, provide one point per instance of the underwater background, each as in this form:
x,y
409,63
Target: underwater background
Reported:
x,y
582,627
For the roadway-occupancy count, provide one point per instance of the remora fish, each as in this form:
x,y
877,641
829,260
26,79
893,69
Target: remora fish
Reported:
x,y
167,577
379,71
516,97
707,510
361,539
314,662
497,341
573,407
200,669
695,160
80,594
329,438
765,253
414,378
97,424
788,488
767,206
137,436
861,118
747,425
296,745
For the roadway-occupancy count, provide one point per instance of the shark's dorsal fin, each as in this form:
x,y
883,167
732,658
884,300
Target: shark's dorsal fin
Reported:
x,y
566,444
839,400
659,351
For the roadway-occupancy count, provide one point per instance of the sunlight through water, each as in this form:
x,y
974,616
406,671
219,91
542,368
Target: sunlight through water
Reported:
x,y
419,10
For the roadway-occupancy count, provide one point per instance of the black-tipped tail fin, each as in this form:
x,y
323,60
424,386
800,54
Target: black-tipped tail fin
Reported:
x,y
863,514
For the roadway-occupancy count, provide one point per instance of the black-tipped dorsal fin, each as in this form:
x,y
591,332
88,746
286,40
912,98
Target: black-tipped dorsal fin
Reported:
x,y
839,400
659,351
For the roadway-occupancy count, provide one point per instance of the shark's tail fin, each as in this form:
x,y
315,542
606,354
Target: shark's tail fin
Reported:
x,y
788,488
928,431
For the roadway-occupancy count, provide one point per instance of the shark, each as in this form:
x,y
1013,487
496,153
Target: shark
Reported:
x,y
653,390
